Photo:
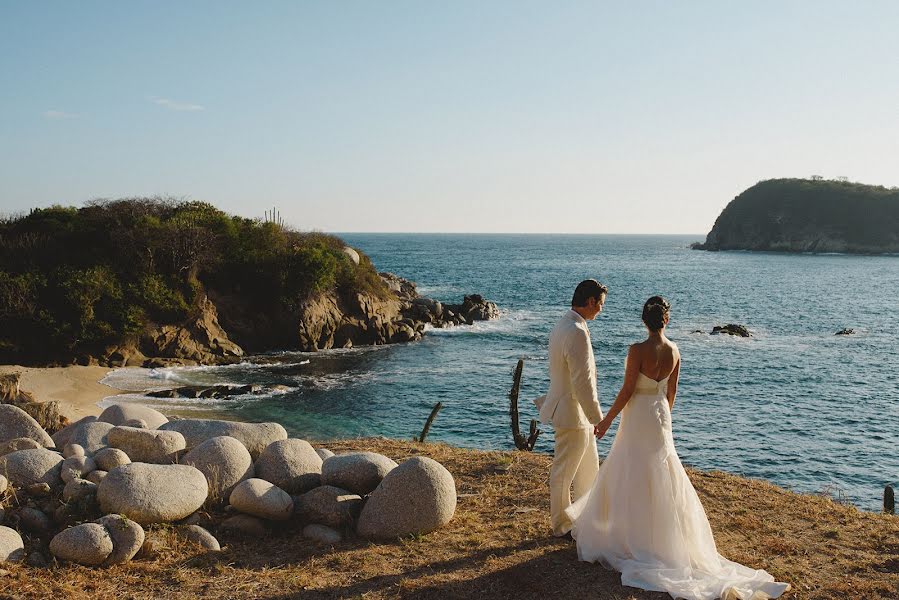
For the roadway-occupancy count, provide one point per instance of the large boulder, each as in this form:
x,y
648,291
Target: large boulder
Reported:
x,y
149,493
127,538
255,436
90,435
292,465
64,436
262,499
147,445
12,548
224,461
25,468
120,414
22,443
328,505
417,497
87,544
16,423
358,472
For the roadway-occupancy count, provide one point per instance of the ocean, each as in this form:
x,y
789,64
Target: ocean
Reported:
x,y
794,404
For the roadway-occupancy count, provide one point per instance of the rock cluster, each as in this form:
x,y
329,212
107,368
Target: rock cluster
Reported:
x,y
91,503
731,329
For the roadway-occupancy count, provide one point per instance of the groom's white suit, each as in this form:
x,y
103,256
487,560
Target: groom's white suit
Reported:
x,y
572,406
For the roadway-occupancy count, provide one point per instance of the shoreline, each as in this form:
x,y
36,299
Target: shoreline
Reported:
x,y
77,388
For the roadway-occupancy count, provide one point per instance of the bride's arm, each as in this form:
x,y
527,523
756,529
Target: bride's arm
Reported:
x,y
671,394
631,370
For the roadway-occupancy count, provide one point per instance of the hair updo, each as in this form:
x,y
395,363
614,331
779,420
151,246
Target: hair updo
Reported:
x,y
654,312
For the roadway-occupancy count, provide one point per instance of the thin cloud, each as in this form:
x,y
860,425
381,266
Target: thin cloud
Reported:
x,y
59,114
180,106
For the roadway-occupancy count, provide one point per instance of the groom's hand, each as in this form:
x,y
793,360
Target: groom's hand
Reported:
x,y
600,429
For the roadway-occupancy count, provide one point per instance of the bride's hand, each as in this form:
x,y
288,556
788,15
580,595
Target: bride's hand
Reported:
x,y
600,429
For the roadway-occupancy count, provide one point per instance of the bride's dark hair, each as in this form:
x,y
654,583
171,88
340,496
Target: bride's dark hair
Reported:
x,y
654,312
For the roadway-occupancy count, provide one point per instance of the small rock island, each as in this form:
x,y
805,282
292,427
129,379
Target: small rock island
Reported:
x,y
809,215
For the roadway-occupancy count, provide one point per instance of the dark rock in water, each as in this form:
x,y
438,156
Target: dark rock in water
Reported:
x,y
846,331
698,331
215,391
732,329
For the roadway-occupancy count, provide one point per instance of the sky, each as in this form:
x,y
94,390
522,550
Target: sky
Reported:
x,y
463,116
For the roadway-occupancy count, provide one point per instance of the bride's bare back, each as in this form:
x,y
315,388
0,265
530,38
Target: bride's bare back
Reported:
x,y
656,356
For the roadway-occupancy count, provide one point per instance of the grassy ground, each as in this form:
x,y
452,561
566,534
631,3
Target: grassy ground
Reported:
x,y
498,546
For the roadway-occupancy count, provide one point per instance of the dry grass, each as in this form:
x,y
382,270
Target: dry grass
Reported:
x,y
498,546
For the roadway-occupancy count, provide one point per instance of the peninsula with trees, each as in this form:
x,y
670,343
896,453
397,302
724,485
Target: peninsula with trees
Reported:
x,y
809,215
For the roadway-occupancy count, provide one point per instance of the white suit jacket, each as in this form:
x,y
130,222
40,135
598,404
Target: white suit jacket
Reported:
x,y
572,400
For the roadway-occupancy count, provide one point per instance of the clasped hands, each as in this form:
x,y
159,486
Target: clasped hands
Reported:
x,y
600,429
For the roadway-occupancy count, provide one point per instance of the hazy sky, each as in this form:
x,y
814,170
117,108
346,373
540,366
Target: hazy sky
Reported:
x,y
483,116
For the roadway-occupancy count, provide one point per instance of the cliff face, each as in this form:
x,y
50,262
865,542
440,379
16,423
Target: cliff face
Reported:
x,y
797,215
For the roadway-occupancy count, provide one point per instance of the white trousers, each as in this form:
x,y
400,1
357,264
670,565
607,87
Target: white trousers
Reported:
x,y
575,464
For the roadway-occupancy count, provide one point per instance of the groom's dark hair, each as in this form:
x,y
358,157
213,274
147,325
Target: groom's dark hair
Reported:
x,y
589,288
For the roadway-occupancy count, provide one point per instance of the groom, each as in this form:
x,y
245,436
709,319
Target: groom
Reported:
x,y
571,403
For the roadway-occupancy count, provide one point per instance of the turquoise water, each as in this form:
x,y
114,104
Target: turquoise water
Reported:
x,y
795,404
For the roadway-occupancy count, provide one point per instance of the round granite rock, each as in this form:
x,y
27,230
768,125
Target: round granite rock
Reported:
x,y
254,436
224,461
121,414
91,435
292,465
358,472
148,493
147,445
16,423
87,544
262,499
108,459
200,536
25,468
415,498
12,548
17,444
76,467
328,505
127,538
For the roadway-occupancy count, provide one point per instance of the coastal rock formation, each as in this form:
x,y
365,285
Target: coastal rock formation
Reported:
x,y
25,468
358,472
12,548
149,493
87,544
199,339
146,445
799,215
127,538
16,423
731,329
416,497
224,461
262,499
121,414
255,436
291,464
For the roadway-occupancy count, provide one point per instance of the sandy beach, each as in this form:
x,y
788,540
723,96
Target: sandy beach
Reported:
x,y
76,388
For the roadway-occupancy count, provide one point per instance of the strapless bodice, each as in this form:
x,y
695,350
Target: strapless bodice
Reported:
x,y
648,385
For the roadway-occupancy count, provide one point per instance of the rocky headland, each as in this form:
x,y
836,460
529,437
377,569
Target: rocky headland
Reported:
x,y
809,215
149,282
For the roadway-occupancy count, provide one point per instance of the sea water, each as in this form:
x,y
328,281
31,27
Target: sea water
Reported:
x,y
794,404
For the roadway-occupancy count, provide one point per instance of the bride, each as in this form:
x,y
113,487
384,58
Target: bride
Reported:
x,y
642,516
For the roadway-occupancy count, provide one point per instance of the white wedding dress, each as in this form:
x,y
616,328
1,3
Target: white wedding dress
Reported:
x,y
643,518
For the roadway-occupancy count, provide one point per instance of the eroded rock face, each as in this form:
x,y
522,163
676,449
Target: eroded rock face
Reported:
x,y
262,499
120,414
16,423
147,445
292,465
25,468
417,497
224,461
357,472
254,436
148,493
200,339
87,544
12,548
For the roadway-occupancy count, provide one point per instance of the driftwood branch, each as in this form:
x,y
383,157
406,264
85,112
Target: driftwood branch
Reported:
x,y
889,500
431,417
521,442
